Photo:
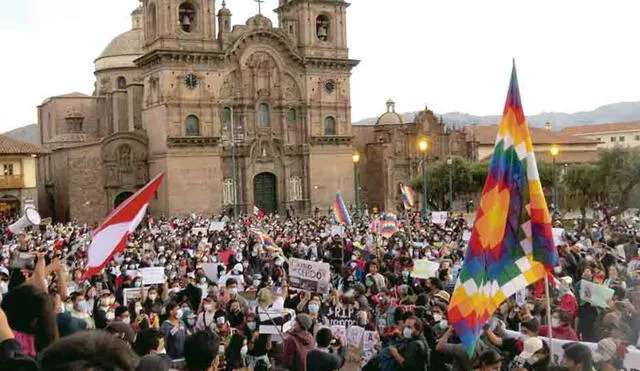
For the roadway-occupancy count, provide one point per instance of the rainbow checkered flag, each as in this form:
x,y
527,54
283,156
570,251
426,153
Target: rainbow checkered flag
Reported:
x,y
408,197
340,211
511,243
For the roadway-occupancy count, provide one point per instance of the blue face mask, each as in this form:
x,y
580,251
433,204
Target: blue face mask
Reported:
x,y
251,326
407,333
314,308
137,284
5,287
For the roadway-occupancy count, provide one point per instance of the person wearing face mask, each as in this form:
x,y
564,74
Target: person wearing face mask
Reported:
x,y
189,319
232,294
174,331
235,315
258,345
80,309
122,315
103,313
561,326
222,326
203,285
206,318
414,355
149,345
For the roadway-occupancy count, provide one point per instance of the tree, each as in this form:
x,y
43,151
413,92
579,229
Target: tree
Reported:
x,y
619,171
582,186
438,181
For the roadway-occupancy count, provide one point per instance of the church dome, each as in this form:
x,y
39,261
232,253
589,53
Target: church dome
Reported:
x,y
390,117
124,48
128,43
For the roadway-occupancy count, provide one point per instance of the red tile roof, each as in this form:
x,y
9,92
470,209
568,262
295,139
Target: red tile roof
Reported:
x,y
486,134
602,128
10,146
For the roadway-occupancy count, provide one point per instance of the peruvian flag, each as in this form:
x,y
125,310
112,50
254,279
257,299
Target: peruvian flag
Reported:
x,y
111,236
257,212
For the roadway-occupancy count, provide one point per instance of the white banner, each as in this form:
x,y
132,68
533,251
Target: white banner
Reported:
x,y
424,269
197,230
631,360
216,226
439,217
211,271
308,275
337,230
152,276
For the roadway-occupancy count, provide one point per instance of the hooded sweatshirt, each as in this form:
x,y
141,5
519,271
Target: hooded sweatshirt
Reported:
x,y
297,344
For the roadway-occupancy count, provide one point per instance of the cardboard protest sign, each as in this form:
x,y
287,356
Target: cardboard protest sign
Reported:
x,y
439,217
216,226
558,236
152,276
343,315
133,294
339,332
424,269
595,294
370,339
308,275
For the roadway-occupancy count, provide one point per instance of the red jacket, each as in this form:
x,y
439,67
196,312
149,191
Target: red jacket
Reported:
x,y
563,332
296,346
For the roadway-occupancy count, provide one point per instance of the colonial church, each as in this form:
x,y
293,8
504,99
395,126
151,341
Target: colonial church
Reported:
x,y
233,115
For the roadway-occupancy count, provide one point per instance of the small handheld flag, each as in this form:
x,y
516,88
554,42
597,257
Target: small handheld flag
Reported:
x,y
257,212
511,244
340,211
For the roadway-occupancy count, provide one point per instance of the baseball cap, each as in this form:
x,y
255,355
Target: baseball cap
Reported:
x,y
530,347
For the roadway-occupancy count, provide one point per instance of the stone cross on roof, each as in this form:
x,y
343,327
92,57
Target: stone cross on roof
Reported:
x,y
259,5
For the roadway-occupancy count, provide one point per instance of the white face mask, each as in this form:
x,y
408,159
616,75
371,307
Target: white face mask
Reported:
x,y
126,320
437,317
555,322
244,350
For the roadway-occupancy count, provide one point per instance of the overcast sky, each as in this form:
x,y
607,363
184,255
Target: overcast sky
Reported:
x,y
453,55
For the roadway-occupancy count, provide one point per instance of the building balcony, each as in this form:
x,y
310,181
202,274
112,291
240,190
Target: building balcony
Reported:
x,y
11,181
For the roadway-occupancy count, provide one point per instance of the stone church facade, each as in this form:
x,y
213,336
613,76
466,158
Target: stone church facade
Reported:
x,y
389,154
234,116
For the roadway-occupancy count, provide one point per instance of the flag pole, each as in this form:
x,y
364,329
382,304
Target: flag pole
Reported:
x,y
548,300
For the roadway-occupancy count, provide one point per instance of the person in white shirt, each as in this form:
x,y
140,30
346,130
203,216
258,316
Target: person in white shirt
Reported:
x,y
81,310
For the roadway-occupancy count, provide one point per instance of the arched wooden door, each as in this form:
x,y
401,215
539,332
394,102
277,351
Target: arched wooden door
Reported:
x,y
264,192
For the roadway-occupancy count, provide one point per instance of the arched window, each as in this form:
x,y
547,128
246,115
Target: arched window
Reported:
x,y
323,27
187,16
329,126
192,126
124,156
121,82
151,14
292,115
264,115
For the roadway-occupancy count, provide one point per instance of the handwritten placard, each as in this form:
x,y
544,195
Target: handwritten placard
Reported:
x,y
152,276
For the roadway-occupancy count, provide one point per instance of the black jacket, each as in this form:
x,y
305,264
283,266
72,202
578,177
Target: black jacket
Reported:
x,y
12,358
318,360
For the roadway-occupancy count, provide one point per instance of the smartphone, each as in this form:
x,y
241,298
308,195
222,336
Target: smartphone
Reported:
x,y
23,260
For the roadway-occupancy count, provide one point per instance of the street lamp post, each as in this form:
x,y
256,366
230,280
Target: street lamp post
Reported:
x,y
450,163
356,180
423,145
554,152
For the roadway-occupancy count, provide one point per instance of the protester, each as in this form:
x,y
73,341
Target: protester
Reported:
x,y
223,282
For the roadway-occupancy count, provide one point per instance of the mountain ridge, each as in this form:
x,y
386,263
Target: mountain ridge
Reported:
x,y
615,112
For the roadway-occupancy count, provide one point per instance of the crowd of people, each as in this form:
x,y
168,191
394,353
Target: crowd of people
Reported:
x,y
220,280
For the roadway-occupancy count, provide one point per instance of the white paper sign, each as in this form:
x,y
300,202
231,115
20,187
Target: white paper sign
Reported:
x,y
216,226
466,236
439,217
133,294
211,271
355,335
369,341
308,275
152,276
558,238
424,269
337,230
199,230
595,294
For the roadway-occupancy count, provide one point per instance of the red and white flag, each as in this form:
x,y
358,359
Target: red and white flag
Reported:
x,y
111,236
257,212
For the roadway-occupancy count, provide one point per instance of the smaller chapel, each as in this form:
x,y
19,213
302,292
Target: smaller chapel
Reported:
x,y
389,154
